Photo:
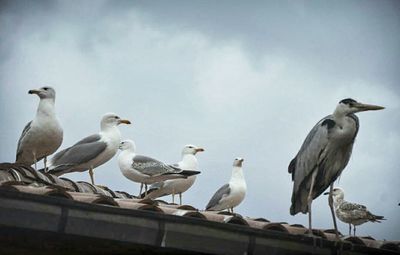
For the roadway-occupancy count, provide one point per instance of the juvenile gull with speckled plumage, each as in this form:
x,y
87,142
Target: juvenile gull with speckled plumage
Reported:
x,y
351,213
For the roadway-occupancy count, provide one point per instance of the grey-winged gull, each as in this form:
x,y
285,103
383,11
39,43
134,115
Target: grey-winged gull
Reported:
x,y
177,186
146,170
43,135
351,213
91,151
231,194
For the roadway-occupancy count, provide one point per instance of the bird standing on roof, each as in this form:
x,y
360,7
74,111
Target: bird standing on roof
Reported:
x,y
351,213
91,151
178,186
146,170
231,194
323,156
43,135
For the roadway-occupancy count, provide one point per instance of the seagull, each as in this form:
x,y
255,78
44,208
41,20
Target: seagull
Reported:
x,y
146,170
351,213
323,156
177,186
231,194
43,135
91,151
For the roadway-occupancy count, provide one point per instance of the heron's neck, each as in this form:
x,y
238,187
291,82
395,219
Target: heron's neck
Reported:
x,y
46,107
237,174
189,162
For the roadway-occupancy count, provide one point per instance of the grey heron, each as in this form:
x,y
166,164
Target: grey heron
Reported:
x,y
178,186
231,194
43,135
146,170
323,156
351,213
91,151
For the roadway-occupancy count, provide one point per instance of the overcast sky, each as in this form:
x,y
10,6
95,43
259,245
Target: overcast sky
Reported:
x,y
237,78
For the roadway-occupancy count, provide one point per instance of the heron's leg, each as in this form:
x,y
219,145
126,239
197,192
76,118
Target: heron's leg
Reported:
x,y
145,189
349,229
180,198
232,209
173,196
141,188
45,164
91,175
310,199
354,230
330,199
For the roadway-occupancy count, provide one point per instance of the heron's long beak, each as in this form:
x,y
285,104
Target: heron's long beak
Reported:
x,y
124,122
326,193
34,91
367,107
199,149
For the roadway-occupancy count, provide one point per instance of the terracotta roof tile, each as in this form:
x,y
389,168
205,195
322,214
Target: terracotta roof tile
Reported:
x,y
24,179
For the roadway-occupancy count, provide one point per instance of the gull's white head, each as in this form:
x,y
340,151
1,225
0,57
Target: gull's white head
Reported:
x,y
112,120
348,105
127,145
44,93
337,193
191,149
238,162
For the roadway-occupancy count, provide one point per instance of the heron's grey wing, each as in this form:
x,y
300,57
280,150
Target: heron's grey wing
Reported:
x,y
81,152
221,193
152,167
306,161
24,132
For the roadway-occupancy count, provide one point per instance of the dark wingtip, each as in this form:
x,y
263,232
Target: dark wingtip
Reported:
x,y
189,172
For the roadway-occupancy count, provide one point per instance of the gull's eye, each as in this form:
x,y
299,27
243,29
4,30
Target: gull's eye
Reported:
x,y
116,117
46,88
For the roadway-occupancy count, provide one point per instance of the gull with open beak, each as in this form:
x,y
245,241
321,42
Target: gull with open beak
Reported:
x,y
323,156
177,186
43,135
91,151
